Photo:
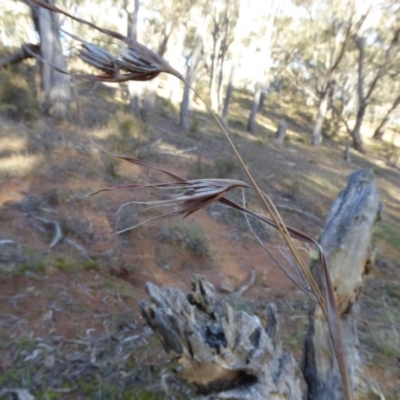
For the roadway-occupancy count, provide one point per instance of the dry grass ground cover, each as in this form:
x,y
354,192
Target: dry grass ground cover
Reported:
x,y
69,321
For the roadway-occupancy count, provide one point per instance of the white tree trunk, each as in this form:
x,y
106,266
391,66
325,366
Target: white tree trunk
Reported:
x,y
228,96
135,90
54,91
322,109
264,61
191,73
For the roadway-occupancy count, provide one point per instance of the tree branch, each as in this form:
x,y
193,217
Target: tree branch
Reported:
x,y
26,51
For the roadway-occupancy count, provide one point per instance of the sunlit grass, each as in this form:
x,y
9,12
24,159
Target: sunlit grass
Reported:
x,y
12,144
20,165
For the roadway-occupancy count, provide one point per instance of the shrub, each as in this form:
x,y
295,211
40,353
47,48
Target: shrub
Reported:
x,y
17,97
188,236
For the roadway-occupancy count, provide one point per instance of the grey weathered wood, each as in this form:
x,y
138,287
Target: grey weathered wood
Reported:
x,y
281,131
346,240
223,353
347,156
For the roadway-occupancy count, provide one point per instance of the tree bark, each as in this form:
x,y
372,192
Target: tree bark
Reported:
x,y
228,96
54,91
356,132
322,109
346,240
281,131
135,91
223,353
251,122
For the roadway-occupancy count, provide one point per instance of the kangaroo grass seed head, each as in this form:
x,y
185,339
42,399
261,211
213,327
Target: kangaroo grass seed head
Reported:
x,y
185,196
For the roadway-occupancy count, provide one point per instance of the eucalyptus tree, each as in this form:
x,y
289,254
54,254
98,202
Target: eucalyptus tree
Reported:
x,y
224,23
262,59
132,13
368,71
387,119
365,90
322,31
53,87
195,33
235,51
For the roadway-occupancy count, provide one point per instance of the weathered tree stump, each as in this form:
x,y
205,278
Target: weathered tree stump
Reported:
x,y
281,131
347,156
223,353
346,240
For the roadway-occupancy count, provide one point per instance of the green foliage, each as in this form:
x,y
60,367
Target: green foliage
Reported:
x,y
167,107
194,128
222,168
65,264
92,265
389,233
187,235
20,261
295,188
17,97
111,167
128,134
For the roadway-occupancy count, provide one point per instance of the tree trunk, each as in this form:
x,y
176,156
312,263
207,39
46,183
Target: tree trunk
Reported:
x,y
191,74
224,52
262,99
228,97
251,122
214,67
347,243
380,130
322,109
281,131
355,133
54,91
347,156
264,61
223,353
135,91
168,28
